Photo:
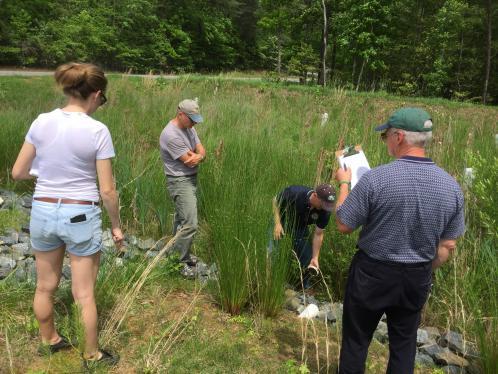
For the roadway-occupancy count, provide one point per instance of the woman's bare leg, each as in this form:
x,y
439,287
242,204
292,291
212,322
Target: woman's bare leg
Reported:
x,y
48,271
84,272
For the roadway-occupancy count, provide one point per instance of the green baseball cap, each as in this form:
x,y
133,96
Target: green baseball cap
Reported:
x,y
409,119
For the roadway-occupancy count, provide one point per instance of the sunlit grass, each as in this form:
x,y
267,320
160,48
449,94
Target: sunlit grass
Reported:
x,y
261,138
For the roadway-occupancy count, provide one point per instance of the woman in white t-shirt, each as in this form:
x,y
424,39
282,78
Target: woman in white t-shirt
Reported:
x,y
66,150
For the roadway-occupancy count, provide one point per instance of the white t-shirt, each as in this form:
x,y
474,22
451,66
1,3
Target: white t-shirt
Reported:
x,y
67,146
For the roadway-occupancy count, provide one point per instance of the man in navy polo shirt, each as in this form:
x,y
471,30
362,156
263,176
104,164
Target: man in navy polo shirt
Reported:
x,y
297,207
411,213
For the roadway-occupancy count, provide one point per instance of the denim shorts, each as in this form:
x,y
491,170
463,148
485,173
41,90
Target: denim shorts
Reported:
x,y
51,227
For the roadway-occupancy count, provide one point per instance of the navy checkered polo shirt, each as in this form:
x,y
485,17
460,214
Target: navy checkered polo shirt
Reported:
x,y
405,207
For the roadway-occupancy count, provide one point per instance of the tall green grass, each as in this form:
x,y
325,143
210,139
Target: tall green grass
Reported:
x,y
261,138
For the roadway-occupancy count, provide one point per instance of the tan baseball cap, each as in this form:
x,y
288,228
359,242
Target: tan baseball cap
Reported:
x,y
191,109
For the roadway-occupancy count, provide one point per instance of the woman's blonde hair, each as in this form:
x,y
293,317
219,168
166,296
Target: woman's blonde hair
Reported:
x,y
80,80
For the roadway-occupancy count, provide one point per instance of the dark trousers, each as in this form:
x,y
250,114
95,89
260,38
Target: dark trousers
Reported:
x,y
374,288
302,246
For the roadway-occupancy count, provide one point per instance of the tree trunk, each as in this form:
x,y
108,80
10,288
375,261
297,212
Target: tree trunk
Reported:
x,y
359,75
488,57
460,62
322,75
279,57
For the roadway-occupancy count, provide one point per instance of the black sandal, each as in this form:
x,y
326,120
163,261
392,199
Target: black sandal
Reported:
x,y
63,343
107,358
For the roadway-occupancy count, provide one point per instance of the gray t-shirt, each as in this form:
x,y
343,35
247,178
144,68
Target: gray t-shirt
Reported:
x,y
174,143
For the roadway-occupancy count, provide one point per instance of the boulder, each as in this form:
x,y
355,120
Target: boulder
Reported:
x,y
456,343
6,266
8,240
24,249
145,244
451,359
26,270
432,349
305,299
423,338
327,316
24,238
423,360
131,240
151,254
293,303
26,201
433,332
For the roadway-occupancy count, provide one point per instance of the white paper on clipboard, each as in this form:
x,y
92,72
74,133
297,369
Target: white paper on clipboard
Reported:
x,y
358,164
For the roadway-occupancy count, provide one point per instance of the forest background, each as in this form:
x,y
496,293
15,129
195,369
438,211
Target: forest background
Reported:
x,y
435,48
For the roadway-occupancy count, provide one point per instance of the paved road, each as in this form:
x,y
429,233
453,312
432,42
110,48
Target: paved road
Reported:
x,y
36,73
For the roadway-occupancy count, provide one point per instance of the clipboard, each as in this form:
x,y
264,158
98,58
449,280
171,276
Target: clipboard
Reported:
x,y
354,159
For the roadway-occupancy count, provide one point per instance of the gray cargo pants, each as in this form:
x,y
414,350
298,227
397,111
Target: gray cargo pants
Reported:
x,y
183,192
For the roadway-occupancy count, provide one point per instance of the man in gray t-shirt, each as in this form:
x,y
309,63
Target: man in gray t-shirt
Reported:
x,y
181,152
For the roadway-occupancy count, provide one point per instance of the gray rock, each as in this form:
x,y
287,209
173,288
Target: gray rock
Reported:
x,y
300,309
26,270
131,239
289,293
24,238
456,343
5,271
8,240
4,249
1,201
26,201
119,262
384,317
381,332
160,244
449,358
213,269
7,262
66,271
328,316
452,369
423,360
336,308
423,338
151,254
433,332
202,269
453,341
145,244
108,244
10,200
432,349
305,299
24,249
130,253
293,303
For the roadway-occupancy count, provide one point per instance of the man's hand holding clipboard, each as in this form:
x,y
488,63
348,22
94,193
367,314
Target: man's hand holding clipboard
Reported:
x,y
354,159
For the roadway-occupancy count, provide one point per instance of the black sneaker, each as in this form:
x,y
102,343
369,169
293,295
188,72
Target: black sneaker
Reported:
x,y
63,343
107,359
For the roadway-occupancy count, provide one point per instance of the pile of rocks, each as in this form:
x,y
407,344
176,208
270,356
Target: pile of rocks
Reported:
x,y
134,246
16,254
448,350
